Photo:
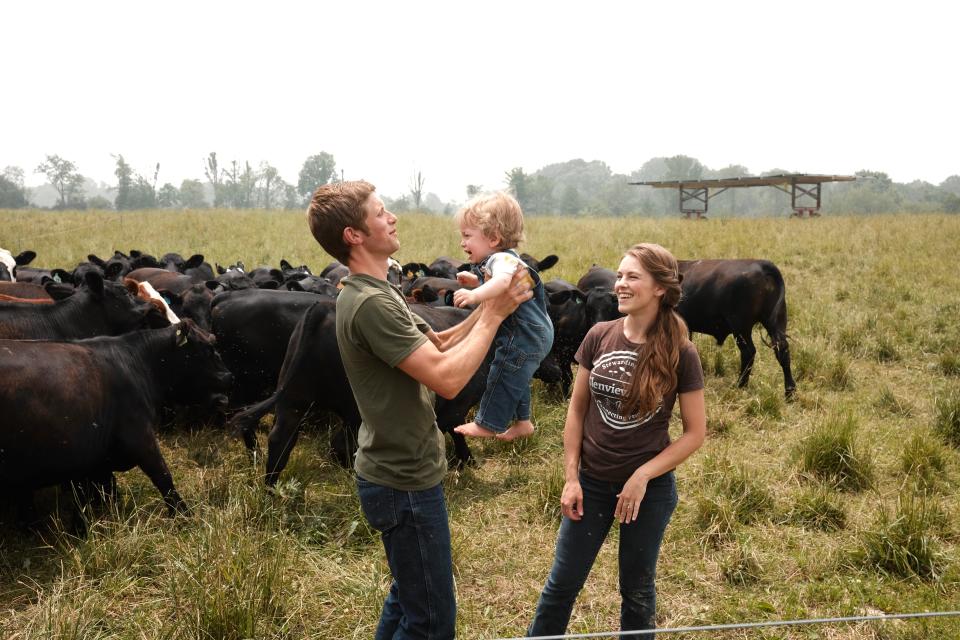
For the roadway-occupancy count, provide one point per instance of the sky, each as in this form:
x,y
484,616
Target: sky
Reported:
x,y
464,91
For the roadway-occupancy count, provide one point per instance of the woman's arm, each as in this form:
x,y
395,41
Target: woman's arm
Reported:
x,y
694,417
571,500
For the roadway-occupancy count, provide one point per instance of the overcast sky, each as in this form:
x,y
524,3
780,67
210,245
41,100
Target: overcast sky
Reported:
x,y
464,91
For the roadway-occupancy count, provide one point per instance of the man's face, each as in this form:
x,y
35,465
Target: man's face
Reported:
x,y
381,237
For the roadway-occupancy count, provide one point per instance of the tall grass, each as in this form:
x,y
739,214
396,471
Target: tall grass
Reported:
x,y
752,537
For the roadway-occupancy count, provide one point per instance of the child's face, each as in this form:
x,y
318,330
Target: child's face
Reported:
x,y
476,245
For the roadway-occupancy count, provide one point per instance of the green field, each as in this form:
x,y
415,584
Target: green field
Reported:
x,y
840,503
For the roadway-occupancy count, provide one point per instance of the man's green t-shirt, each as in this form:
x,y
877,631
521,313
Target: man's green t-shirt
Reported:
x,y
400,445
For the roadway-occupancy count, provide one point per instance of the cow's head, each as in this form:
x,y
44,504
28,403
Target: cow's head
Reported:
x,y
197,375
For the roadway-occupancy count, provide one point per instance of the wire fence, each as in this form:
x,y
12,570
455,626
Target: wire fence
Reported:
x,y
22,240
746,625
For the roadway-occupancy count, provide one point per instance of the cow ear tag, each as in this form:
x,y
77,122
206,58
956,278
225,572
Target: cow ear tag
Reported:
x,y
181,338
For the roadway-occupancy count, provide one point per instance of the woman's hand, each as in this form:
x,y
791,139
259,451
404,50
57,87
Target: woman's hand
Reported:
x,y
628,503
571,500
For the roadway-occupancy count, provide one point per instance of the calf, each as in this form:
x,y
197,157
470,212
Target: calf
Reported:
x,y
84,409
728,297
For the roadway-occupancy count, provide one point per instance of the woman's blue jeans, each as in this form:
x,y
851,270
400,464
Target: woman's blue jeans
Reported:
x,y
416,536
578,543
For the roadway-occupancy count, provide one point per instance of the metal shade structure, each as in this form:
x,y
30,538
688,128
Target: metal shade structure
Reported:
x,y
802,187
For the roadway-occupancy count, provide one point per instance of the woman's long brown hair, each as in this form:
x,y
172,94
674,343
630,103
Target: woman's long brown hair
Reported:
x,y
656,372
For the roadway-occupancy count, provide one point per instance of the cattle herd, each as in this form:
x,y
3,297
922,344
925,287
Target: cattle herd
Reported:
x,y
91,357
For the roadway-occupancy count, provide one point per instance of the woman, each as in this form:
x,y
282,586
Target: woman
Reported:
x,y
618,458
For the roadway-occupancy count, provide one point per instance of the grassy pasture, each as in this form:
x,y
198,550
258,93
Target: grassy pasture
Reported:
x,y
842,502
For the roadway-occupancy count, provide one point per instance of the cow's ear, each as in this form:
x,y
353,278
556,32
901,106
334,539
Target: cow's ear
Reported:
x,y
194,261
285,265
220,270
60,275
269,284
429,294
135,253
276,274
559,297
212,284
294,285
96,260
169,297
94,282
112,271
25,257
548,262
57,290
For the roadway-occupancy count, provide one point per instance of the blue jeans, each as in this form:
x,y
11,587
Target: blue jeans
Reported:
x,y
522,342
416,536
579,542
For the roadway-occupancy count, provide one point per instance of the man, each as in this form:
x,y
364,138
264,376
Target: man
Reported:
x,y
393,370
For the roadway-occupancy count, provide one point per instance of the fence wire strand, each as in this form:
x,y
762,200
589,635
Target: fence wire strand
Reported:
x,y
743,625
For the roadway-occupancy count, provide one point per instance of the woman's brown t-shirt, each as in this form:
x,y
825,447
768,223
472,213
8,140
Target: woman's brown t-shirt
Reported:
x,y
614,445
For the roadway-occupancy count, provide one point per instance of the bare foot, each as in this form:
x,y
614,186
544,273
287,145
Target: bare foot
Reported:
x,y
519,429
474,430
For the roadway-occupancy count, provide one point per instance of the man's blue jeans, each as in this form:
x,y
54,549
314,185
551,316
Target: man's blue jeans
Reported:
x,y
416,536
579,542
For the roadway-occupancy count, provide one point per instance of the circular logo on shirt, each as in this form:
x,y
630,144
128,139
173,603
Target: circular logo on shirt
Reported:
x,y
609,380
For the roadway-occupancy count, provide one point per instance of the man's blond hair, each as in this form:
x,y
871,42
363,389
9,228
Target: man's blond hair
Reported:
x,y
495,214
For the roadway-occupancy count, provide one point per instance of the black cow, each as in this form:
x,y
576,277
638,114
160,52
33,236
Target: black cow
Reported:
x,y
335,272
194,266
313,379
728,297
81,410
573,312
597,276
253,327
313,284
99,307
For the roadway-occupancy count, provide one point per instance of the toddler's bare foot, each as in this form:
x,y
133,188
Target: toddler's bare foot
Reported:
x,y
519,429
474,430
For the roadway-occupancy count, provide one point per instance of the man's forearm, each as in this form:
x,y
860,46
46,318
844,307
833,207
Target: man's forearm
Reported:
x,y
462,360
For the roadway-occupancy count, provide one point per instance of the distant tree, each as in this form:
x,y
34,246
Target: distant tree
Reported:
x,y
683,168
317,170
473,190
211,169
416,190
239,185
124,173
270,186
398,204
518,185
99,202
13,195
76,192
191,195
63,175
570,201
952,185
168,196
539,195
291,199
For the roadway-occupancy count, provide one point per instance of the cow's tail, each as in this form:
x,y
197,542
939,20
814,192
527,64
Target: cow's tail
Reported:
x,y
776,322
244,423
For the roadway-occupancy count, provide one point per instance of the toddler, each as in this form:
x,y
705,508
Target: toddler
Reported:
x,y
491,227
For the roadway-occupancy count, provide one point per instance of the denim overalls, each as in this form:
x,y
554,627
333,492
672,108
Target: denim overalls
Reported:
x,y
522,341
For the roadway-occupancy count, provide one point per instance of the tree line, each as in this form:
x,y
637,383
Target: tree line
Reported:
x,y
576,187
